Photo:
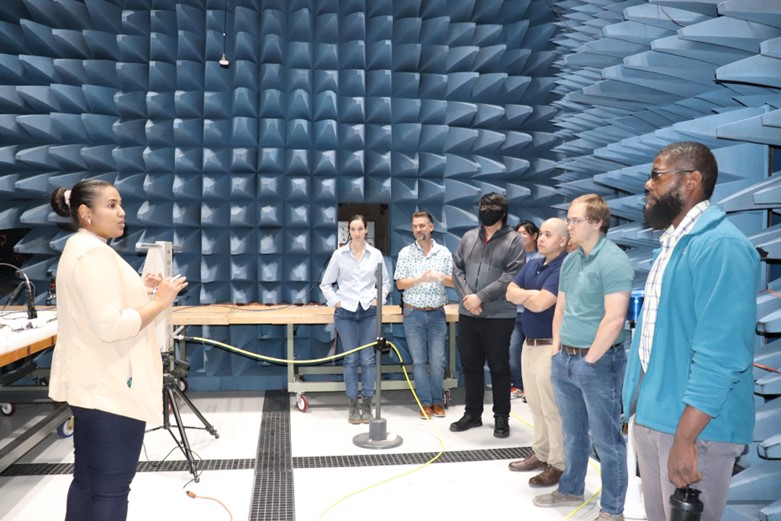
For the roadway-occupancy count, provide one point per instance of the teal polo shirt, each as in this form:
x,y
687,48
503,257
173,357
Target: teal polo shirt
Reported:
x,y
586,281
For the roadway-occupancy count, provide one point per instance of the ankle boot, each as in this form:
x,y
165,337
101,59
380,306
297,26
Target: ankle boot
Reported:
x,y
354,414
366,410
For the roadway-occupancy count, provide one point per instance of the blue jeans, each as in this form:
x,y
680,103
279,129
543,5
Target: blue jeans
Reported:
x,y
358,328
516,345
106,448
426,333
589,397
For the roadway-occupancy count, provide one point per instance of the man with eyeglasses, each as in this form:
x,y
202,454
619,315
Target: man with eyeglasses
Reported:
x,y
587,368
689,380
486,260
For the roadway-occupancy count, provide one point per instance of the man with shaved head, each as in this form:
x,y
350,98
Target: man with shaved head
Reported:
x,y
536,287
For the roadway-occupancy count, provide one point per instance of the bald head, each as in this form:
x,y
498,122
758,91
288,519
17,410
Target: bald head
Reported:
x,y
553,238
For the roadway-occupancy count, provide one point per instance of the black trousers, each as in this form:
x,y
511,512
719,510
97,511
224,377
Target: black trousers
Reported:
x,y
481,339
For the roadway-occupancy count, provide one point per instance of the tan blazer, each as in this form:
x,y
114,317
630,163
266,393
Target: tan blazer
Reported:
x,y
102,360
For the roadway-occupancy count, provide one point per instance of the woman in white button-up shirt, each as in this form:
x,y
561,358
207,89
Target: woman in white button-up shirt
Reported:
x,y
350,285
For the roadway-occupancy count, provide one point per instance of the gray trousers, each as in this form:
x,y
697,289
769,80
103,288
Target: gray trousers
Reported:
x,y
715,461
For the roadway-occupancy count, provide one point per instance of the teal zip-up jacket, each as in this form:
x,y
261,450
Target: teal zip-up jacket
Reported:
x,y
703,345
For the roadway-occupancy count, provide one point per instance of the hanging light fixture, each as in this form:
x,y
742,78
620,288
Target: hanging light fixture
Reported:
x,y
224,62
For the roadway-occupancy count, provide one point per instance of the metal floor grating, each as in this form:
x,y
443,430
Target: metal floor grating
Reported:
x,y
47,469
272,493
419,458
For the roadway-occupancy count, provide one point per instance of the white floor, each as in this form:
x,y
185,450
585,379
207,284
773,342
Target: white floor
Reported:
x,y
454,491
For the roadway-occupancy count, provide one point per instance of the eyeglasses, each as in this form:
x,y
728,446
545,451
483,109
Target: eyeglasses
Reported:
x,y
656,174
574,220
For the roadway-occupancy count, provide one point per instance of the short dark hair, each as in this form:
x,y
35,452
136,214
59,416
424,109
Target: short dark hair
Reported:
x,y
84,192
423,213
695,156
496,199
529,227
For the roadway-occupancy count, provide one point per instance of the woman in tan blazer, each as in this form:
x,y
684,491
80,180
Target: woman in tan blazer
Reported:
x,y
106,362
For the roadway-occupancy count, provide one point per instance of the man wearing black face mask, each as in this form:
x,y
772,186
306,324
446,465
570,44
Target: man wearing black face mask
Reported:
x,y
484,265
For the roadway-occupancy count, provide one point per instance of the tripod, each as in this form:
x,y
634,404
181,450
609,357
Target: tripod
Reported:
x,y
175,371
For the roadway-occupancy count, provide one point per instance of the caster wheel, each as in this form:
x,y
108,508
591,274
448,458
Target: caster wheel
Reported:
x,y
7,409
182,384
302,402
66,429
446,398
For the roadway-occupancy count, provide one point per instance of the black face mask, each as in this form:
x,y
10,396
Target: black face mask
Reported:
x,y
489,217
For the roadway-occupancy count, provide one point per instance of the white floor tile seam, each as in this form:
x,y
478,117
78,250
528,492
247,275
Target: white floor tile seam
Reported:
x,y
444,491
402,420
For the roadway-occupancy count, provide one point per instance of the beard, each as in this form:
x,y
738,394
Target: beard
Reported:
x,y
661,213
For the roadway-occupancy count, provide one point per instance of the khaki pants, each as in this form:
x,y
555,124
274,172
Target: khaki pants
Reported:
x,y
548,436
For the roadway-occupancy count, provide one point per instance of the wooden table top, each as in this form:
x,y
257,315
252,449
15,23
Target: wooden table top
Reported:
x,y
21,337
281,314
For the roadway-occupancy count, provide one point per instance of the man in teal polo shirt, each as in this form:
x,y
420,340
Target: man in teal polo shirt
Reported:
x,y
589,359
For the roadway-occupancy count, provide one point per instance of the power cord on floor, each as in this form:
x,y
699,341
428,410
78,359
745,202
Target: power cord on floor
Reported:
x,y
157,465
416,469
196,496
257,356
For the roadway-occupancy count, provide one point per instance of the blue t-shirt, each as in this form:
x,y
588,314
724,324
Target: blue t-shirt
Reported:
x,y
535,274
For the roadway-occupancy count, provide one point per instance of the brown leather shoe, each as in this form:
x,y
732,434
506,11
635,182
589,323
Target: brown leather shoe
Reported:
x,y
549,476
426,413
439,410
525,465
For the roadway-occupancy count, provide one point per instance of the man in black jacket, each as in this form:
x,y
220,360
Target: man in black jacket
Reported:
x,y
486,261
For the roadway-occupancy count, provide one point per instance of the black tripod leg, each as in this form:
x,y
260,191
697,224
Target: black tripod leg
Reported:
x,y
166,410
208,426
183,442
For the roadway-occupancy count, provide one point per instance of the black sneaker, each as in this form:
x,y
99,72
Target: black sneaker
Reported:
x,y
501,427
465,423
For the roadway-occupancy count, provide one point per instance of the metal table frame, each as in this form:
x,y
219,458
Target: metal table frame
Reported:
x,y
290,316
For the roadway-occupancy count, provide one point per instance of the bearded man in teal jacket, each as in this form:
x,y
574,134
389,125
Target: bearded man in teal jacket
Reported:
x,y
688,379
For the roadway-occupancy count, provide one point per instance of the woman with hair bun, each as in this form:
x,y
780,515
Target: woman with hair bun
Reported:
x,y
106,364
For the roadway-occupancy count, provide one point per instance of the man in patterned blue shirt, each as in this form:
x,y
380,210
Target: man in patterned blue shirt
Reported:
x,y
423,269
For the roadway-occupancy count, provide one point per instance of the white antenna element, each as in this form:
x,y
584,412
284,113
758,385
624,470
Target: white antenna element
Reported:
x,y
160,259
